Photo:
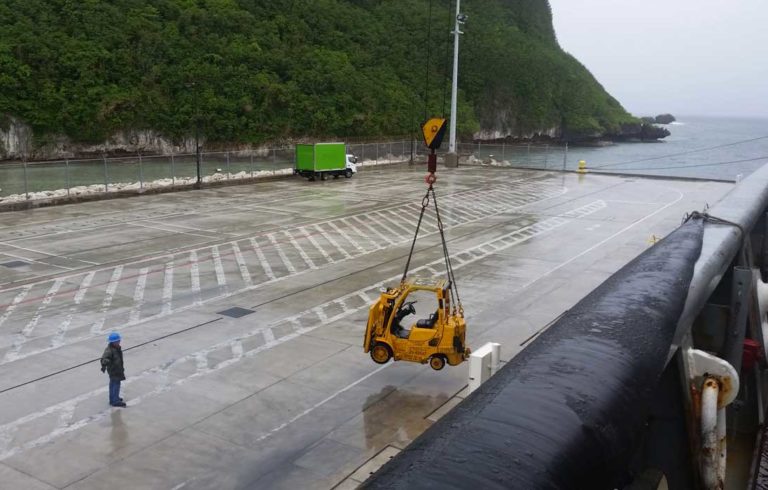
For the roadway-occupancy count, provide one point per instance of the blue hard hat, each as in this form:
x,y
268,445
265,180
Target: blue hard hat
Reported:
x,y
113,337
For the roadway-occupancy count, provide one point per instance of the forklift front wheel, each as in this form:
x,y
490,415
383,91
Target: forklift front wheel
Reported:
x,y
381,353
437,362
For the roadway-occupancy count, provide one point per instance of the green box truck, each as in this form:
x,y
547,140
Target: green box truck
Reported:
x,y
323,159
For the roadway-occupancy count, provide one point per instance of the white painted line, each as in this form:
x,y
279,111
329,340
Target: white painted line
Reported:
x,y
237,351
16,300
360,235
262,259
283,257
375,231
174,225
403,217
48,255
138,296
26,332
221,279
194,277
174,232
407,231
320,404
314,243
167,287
333,242
367,299
301,251
599,244
241,265
114,281
347,237
321,313
642,203
269,335
58,338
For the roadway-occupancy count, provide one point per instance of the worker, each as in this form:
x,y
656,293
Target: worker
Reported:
x,y
112,363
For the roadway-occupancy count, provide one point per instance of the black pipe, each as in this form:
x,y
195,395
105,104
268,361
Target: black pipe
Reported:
x,y
568,411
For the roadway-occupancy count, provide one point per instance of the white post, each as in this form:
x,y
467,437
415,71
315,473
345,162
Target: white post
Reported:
x,y
495,357
483,363
454,86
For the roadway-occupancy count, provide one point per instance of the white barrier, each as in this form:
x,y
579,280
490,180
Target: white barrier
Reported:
x,y
483,363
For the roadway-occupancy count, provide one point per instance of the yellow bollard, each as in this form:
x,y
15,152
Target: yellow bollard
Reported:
x,y
582,167
653,239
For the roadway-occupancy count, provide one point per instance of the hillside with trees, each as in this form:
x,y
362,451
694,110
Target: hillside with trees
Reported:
x,y
249,71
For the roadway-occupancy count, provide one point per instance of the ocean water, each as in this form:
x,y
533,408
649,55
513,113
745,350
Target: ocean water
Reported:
x,y
695,148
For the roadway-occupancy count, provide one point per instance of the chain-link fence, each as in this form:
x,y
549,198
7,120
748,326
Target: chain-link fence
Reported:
x,y
533,155
22,181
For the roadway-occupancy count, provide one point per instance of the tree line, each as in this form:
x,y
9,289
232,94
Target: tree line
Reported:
x,y
252,71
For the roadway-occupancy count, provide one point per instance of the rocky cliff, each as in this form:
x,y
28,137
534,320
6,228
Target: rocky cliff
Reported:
x,y
128,75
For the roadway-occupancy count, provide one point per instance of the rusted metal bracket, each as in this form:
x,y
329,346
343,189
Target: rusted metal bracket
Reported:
x,y
714,384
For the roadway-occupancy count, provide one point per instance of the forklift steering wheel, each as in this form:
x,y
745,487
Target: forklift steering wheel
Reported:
x,y
408,306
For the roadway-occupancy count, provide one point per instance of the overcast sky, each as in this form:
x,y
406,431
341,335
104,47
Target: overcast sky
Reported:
x,y
687,57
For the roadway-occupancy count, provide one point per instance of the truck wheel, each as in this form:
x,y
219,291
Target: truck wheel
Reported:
x,y
437,362
335,176
381,353
348,173
323,176
311,178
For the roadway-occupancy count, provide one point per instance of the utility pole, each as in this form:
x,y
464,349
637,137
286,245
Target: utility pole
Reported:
x,y
452,159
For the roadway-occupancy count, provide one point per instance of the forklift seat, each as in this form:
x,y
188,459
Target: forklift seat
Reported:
x,y
428,322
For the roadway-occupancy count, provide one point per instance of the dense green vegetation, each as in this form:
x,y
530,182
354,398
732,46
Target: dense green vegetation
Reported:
x,y
253,71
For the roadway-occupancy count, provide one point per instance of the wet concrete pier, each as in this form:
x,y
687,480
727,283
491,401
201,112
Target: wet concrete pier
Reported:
x,y
242,311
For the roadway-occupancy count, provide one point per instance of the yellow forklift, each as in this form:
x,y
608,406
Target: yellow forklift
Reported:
x,y
439,336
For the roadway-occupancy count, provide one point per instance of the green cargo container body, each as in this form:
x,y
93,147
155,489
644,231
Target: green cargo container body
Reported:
x,y
321,157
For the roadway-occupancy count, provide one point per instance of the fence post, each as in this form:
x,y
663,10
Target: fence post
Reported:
x,y
141,173
66,174
565,155
546,156
229,176
502,151
173,172
274,160
26,186
377,152
528,156
251,164
106,177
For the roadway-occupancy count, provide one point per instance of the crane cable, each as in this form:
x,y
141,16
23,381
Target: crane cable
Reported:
x,y
446,255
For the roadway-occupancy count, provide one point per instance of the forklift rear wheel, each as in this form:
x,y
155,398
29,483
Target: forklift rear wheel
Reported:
x,y
437,362
381,353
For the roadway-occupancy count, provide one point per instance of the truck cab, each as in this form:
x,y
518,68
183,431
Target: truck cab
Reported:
x,y
351,163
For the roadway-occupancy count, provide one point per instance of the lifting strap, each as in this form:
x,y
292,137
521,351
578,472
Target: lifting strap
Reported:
x,y
448,267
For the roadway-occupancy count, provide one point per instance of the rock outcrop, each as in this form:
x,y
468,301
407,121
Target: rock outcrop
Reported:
x,y
665,119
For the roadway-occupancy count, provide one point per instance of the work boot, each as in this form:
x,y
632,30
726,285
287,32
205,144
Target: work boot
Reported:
x,y
120,404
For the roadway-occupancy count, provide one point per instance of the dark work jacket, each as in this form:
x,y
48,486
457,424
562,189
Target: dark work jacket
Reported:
x,y
112,359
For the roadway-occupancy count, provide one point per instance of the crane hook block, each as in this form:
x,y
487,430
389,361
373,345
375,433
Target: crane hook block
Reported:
x,y
433,131
432,163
